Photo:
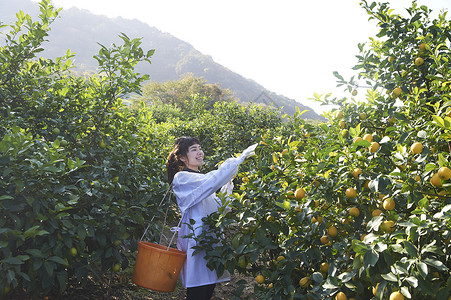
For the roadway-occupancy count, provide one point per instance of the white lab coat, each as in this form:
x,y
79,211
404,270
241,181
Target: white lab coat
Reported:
x,y
195,194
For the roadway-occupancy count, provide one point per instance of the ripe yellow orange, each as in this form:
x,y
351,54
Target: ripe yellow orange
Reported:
x,y
320,219
270,286
435,180
387,226
351,193
341,296
376,212
422,46
304,282
280,257
362,116
332,231
354,93
354,211
417,178
299,193
356,172
357,139
342,124
397,92
340,114
418,61
396,296
444,173
416,148
374,147
389,204
366,184
324,267
368,137
260,279
325,239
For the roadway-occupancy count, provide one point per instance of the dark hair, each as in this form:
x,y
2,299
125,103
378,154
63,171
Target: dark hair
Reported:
x,y
174,163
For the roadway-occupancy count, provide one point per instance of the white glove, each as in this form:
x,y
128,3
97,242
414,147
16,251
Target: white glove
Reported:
x,y
248,152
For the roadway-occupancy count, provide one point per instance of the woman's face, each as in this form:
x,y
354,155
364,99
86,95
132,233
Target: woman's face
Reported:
x,y
194,157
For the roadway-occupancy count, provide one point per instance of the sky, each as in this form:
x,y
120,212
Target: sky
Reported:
x,y
290,47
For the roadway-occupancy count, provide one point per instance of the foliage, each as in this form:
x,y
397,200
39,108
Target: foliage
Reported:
x,y
311,247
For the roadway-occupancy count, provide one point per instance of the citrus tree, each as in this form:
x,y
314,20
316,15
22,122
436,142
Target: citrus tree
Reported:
x,y
359,207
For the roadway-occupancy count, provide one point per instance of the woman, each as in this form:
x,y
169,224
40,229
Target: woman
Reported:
x,y
195,194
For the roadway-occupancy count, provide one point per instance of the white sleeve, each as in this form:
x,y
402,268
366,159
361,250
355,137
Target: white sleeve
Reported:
x,y
191,188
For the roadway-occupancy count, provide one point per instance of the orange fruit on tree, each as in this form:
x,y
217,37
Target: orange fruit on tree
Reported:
x,y
417,178
354,211
299,193
435,180
351,193
260,279
342,124
362,116
280,257
391,58
396,296
344,132
368,137
366,184
354,93
418,61
340,114
397,92
376,212
332,231
416,148
374,147
324,267
304,282
341,296
388,204
444,173
357,139
422,46
356,172
325,239
387,226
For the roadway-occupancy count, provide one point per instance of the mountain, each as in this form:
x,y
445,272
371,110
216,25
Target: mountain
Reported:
x,y
81,31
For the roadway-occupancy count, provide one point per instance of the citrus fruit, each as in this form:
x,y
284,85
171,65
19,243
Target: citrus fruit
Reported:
x,y
376,212
284,151
418,61
416,148
56,131
116,267
362,116
387,226
435,180
374,147
391,58
304,282
242,261
281,257
344,132
396,296
260,279
340,114
368,137
299,194
444,173
351,193
325,239
341,296
422,46
354,93
357,139
397,92
388,204
342,124
324,267
332,231
354,211
73,251
356,172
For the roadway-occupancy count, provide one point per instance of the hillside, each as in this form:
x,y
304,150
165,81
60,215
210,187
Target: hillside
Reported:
x,y
81,31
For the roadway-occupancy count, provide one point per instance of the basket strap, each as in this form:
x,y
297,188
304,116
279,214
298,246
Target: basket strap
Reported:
x,y
161,202
175,232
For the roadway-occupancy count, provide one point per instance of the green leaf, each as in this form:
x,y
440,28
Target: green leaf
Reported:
x,y
390,277
370,258
436,264
58,260
423,269
412,281
411,249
